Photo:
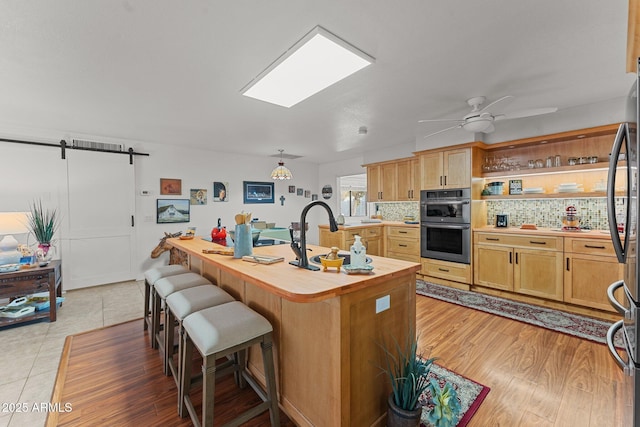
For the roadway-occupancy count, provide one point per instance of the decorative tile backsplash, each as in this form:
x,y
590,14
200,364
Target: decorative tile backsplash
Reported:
x,y
396,211
548,212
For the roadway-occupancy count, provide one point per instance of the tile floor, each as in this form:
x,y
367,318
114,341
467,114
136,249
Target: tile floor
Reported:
x,y
31,352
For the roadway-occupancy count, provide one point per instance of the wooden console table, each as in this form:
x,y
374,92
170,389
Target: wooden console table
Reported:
x,y
30,281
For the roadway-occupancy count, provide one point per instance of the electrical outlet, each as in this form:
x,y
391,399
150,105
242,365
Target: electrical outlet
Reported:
x,y
383,303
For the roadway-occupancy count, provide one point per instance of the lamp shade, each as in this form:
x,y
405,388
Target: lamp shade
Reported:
x,y
281,172
13,223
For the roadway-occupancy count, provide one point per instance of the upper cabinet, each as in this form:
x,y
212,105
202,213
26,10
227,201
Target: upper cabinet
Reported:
x,y
408,182
381,182
446,169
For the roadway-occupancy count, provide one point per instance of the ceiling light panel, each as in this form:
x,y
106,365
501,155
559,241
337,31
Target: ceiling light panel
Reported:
x,y
314,63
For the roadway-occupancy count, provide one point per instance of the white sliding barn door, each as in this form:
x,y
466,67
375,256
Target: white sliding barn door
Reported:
x,y
98,243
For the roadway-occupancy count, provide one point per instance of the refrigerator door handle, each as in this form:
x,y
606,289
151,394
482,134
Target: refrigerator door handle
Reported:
x,y
624,365
628,314
621,136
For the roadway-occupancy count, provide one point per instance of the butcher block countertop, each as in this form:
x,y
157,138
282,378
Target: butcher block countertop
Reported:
x,y
553,232
291,282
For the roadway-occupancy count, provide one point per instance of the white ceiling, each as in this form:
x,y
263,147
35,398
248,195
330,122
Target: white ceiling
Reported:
x,y
171,71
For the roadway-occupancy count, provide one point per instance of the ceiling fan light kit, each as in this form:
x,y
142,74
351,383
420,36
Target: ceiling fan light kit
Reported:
x,y
481,120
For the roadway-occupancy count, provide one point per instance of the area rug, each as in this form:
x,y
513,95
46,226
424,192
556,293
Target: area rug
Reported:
x,y
470,394
555,320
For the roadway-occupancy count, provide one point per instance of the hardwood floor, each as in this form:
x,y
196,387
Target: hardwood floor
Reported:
x,y
537,377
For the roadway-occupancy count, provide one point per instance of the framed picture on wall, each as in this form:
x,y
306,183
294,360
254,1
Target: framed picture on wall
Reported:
x,y
220,191
170,211
171,186
299,191
257,192
198,196
292,189
314,197
307,193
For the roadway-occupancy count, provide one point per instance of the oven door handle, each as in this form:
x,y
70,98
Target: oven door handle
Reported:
x,y
447,202
449,227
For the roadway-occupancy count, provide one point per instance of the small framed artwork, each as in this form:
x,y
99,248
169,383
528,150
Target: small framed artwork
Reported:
x,y
307,193
292,189
515,186
170,187
220,193
170,211
198,196
299,191
314,197
257,192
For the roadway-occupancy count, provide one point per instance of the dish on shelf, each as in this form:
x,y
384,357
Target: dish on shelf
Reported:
x,y
533,190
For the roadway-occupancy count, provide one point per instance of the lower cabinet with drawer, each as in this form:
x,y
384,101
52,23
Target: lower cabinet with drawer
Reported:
x,y
403,243
590,267
524,264
371,238
445,270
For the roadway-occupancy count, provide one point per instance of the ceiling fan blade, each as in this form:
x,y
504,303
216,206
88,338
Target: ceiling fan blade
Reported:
x,y
443,130
504,98
526,113
441,120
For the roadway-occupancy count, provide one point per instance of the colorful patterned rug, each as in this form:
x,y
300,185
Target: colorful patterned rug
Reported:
x,y
555,320
470,394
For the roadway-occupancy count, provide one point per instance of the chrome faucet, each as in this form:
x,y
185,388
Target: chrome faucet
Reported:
x,y
300,248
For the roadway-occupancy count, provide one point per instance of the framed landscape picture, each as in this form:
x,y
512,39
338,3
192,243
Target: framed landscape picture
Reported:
x,y
257,192
171,211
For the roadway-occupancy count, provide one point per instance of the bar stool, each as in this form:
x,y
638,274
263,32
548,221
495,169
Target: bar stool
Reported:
x,y
221,331
164,287
179,305
150,277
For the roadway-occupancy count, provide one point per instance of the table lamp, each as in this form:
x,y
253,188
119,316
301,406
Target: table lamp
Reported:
x,y
11,223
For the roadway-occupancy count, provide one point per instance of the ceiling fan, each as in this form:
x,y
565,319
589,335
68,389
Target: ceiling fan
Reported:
x,y
481,119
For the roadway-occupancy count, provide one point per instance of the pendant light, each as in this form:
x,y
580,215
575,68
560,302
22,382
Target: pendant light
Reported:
x,y
281,172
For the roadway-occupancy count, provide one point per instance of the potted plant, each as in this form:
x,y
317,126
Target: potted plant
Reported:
x,y
408,373
43,224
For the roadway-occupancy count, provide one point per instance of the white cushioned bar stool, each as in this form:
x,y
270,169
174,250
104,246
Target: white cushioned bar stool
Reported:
x,y
216,332
178,306
161,290
150,277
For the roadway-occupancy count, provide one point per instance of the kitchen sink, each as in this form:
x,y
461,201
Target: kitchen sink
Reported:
x,y
347,259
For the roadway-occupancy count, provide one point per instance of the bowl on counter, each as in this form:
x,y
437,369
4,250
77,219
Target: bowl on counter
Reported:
x,y
255,235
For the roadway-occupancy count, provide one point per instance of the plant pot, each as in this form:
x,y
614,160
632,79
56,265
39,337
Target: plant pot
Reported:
x,y
398,417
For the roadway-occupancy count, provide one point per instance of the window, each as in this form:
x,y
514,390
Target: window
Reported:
x,y
353,195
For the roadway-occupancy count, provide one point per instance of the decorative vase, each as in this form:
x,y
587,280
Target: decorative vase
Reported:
x,y
398,417
44,253
242,241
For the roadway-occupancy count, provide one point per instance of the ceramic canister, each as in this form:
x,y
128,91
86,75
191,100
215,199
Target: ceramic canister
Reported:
x,y
243,241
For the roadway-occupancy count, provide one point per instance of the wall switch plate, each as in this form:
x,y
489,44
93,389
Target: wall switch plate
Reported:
x,y
145,192
383,303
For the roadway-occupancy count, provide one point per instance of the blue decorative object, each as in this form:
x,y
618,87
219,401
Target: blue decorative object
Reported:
x,y
243,241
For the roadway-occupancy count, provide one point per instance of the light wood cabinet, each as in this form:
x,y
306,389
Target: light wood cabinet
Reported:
x,y
371,237
445,270
408,180
446,169
403,243
382,182
524,264
590,267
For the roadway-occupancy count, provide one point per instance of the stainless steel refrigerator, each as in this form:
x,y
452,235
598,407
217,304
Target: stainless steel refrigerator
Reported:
x,y
624,295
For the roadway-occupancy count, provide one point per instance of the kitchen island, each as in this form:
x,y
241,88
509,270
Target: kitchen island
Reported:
x,y
328,327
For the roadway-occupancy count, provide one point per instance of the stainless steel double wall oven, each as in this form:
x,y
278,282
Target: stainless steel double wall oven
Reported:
x,y
445,225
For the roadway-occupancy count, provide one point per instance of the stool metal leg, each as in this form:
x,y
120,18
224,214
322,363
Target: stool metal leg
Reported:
x,y
155,317
270,379
147,304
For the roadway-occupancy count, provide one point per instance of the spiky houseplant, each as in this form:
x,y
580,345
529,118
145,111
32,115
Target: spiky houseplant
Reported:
x,y
408,373
43,223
